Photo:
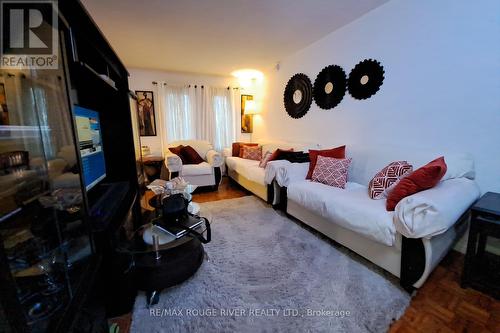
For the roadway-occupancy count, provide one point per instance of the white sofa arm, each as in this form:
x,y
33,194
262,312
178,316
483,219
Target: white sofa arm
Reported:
x,y
291,173
227,152
173,162
214,158
433,211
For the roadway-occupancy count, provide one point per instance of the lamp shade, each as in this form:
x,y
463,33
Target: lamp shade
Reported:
x,y
250,107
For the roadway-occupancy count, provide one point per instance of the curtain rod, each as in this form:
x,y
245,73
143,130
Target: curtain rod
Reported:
x,y
202,86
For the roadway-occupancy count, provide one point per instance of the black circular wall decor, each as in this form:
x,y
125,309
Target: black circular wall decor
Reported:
x,y
365,79
329,87
298,95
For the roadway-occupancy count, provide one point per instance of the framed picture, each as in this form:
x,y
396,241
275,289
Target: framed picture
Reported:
x,y
246,119
146,110
4,112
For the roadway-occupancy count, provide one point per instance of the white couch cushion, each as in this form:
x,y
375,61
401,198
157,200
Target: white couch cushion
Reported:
x,y
196,169
247,168
367,161
350,208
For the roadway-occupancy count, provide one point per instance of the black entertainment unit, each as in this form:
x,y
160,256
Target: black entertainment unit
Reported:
x,y
68,182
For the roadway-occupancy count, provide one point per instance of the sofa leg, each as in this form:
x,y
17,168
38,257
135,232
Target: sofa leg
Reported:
x,y
270,194
412,262
218,178
283,199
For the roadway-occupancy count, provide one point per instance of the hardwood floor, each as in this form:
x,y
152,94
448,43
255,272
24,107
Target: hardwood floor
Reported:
x,y
227,190
441,305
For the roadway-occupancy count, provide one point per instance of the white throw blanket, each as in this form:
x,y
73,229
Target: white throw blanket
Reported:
x,y
273,168
292,172
433,211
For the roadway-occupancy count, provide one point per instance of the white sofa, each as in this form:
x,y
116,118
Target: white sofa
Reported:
x,y
205,174
258,180
408,242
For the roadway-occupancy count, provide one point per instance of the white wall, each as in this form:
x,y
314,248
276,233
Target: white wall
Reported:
x,y
141,79
441,88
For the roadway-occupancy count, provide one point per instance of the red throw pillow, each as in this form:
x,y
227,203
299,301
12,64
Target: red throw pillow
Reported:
x,y
191,156
236,148
331,171
246,145
277,153
421,179
251,152
338,152
178,151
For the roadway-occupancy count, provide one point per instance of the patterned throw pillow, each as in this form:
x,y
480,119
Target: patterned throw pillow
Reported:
x,y
331,171
251,152
387,178
246,144
265,159
237,146
338,152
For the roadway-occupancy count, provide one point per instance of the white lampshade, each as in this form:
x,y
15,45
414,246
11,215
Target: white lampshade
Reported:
x,y
250,107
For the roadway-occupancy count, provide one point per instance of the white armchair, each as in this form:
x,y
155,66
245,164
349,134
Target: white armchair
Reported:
x,y
205,174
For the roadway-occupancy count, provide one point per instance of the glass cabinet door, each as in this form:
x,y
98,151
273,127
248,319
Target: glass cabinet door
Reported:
x,y
43,234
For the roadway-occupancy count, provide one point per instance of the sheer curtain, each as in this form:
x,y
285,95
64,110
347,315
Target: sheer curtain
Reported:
x,y
224,116
197,112
179,116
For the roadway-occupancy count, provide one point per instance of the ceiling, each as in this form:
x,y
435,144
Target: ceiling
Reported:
x,y
218,36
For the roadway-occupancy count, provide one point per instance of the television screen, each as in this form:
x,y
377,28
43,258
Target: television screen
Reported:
x,y
89,138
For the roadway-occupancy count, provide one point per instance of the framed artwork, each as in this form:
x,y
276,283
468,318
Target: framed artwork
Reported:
x,y
246,119
146,110
4,112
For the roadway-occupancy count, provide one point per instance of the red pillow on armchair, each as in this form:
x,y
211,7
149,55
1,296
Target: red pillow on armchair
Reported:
x,y
338,153
421,179
191,156
178,151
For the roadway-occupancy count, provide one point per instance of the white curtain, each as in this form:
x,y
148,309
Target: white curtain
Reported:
x,y
223,112
197,112
179,119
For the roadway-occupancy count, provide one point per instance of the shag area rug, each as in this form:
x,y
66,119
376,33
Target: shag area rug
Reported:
x,y
267,273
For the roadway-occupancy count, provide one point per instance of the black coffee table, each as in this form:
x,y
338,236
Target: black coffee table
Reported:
x,y
175,261
175,265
